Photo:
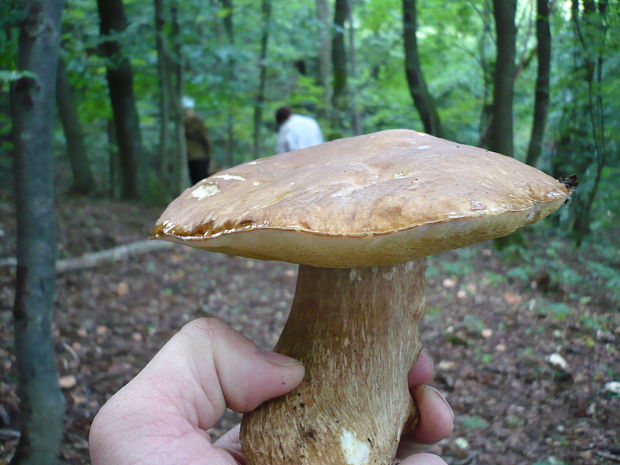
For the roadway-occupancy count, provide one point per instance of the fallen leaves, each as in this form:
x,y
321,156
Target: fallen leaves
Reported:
x,y
67,381
122,289
512,298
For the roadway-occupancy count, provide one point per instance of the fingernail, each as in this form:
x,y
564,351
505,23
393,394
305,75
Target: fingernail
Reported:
x,y
279,359
440,395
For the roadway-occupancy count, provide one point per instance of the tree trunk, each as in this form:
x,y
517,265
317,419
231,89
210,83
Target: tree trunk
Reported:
x,y
262,66
591,32
339,61
42,403
182,169
83,179
163,78
231,74
120,84
113,160
417,86
486,113
501,130
325,49
541,100
356,117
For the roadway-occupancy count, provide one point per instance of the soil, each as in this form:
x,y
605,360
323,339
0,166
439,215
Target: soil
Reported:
x,y
491,344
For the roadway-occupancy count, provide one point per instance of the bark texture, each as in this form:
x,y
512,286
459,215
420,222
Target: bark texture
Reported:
x,y
32,102
120,84
417,85
356,332
83,179
541,98
501,130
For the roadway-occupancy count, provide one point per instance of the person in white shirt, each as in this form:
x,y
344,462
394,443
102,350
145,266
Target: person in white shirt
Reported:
x,y
296,131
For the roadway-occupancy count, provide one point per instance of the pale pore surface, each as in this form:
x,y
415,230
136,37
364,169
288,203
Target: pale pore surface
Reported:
x,y
376,199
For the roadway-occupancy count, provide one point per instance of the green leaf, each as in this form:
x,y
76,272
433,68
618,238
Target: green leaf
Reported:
x,y
14,75
473,422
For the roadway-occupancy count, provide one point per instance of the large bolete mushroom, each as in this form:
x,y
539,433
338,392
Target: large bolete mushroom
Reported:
x,y
358,215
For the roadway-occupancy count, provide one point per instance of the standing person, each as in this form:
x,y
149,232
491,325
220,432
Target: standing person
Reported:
x,y
296,131
197,140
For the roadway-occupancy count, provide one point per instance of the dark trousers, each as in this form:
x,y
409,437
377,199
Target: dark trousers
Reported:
x,y
198,169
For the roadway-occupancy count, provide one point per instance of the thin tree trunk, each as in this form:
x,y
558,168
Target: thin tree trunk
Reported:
x,y
541,100
486,113
182,172
42,403
356,118
501,130
417,85
260,96
113,161
163,77
83,179
120,84
339,59
230,118
325,63
591,31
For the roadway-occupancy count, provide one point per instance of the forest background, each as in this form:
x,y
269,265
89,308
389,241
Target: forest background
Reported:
x,y
537,80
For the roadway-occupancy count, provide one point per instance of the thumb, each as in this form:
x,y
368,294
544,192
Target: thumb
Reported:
x,y
247,375
423,459
211,366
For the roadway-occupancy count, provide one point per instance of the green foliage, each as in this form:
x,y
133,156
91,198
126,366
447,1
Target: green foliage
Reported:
x,y
474,323
472,422
550,461
556,310
579,273
457,46
14,75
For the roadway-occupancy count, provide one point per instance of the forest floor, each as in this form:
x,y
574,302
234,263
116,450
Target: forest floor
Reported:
x,y
493,339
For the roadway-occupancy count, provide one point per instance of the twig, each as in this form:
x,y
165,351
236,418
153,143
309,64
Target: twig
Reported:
x,y
608,456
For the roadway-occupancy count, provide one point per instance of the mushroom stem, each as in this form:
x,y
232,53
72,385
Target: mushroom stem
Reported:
x,y
356,331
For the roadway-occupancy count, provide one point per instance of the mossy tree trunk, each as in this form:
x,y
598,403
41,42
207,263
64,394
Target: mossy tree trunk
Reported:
x,y
32,108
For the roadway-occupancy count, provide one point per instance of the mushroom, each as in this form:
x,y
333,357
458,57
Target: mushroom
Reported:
x,y
358,215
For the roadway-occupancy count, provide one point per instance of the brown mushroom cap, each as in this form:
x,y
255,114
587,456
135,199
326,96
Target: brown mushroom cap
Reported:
x,y
376,199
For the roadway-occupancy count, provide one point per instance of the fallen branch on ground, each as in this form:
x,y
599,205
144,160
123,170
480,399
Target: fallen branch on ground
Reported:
x,y
94,259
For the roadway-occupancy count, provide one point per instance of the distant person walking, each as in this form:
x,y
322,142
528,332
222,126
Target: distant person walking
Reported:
x,y
197,140
296,131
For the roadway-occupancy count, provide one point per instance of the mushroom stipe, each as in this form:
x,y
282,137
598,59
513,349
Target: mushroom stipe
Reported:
x,y
358,215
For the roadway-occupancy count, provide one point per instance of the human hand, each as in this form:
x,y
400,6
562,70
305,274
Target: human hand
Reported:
x,y
161,417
